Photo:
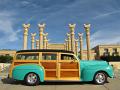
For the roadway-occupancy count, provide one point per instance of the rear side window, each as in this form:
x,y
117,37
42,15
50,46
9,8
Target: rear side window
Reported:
x,y
27,56
48,56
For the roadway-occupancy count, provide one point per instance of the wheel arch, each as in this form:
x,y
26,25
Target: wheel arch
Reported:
x,y
101,71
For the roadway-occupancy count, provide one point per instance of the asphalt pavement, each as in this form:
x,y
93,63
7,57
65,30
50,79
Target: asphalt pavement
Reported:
x,y
10,84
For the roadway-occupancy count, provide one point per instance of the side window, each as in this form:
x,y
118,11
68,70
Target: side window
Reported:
x,y
27,56
48,56
67,57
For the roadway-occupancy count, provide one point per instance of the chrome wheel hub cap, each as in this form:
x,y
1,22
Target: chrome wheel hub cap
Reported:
x,y
100,78
31,78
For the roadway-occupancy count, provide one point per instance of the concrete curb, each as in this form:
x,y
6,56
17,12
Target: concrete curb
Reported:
x,y
2,77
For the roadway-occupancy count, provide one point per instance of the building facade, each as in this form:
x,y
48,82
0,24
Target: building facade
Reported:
x,y
56,46
110,51
7,52
92,52
107,50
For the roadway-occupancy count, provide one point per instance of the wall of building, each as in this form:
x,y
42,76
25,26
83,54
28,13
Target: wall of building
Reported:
x,y
110,49
93,55
100,51
56,46
7,52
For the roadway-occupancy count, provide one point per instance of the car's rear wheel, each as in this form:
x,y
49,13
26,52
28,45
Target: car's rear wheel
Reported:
x,y
32,79
100,78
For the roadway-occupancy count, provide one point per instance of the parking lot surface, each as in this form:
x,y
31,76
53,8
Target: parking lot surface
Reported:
x,y
10,84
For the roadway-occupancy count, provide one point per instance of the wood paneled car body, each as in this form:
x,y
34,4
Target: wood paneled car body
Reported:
x,y
34,66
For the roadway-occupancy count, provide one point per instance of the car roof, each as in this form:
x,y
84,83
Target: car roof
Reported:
x,y
45,50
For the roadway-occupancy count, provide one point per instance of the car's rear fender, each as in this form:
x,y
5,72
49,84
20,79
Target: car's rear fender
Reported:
x,y
19,72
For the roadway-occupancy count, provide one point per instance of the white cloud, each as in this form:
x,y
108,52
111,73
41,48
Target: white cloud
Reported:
x,y
25,2
6,27
103,15
105,37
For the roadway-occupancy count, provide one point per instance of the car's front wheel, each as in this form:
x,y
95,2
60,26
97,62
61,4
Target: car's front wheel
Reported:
x,y
100,78
32,79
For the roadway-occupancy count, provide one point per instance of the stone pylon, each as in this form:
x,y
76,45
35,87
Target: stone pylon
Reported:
x,y
87,30
81,44
41,29
25,35
33,40
37,44
72,29
45,40
76,46
66,44
47,43
69,42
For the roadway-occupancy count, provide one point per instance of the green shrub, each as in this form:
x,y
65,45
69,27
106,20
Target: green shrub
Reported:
x,y
110,58
5,59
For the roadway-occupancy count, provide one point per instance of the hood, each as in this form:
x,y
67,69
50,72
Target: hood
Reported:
x,y
93,62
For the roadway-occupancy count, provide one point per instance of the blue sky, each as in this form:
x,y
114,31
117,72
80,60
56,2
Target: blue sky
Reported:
x,y
103,15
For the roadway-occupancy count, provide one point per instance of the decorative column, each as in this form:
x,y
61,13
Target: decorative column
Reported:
x,y
87,30
41,29
33,40
76,47
66,44
37,44
72,28
47,43
69,42
44,40
25,35
81,44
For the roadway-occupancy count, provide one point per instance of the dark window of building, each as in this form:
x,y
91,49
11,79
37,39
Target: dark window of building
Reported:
x,y
114,50
106,53
115,53
7,54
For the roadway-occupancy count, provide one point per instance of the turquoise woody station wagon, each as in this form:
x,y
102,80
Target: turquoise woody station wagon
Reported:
x,y
34,66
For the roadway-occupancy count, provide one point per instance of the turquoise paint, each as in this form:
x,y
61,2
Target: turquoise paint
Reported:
x,y
20,71
89,68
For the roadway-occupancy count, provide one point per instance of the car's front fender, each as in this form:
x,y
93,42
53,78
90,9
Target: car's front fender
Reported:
x,y
88,72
